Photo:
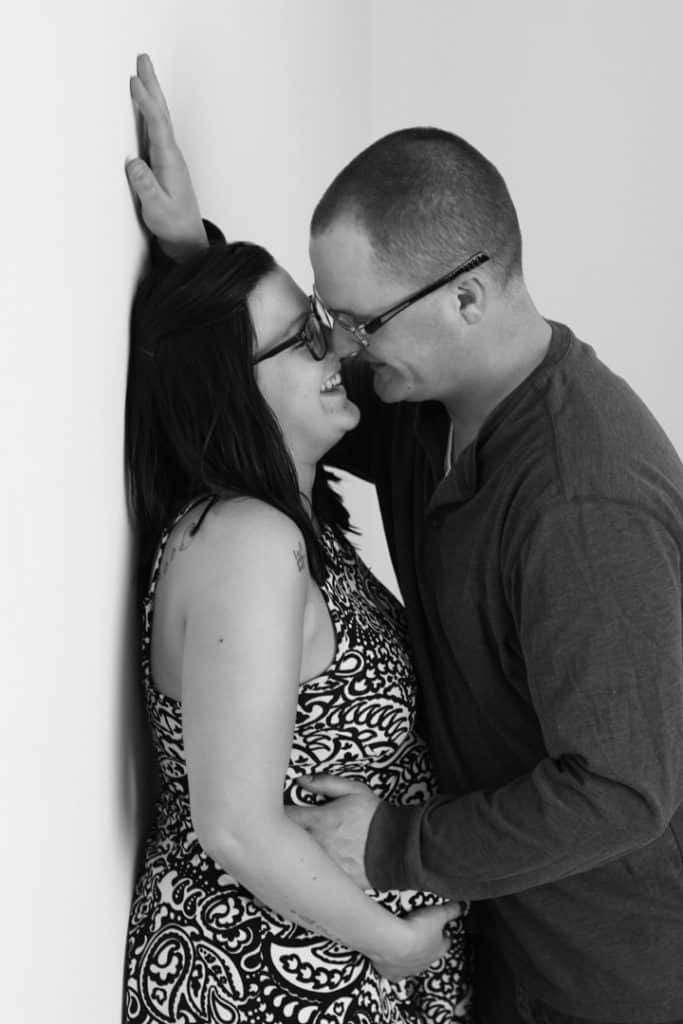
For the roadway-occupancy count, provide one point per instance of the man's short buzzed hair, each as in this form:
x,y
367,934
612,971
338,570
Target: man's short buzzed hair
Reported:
x,y
427,200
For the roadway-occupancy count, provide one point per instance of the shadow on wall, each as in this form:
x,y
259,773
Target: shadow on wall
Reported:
x,y
138,781
136,774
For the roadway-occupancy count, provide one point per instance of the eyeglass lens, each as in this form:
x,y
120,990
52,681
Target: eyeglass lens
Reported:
x,y
314,335
323,314
329,320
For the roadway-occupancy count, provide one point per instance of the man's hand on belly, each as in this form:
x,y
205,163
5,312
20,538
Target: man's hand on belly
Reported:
x,y
341,825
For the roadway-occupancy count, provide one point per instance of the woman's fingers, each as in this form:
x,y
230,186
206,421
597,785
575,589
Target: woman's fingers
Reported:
x,y
331,785
435,919
162,182
428,941
451,911
142,181
148,77
155,115
442,913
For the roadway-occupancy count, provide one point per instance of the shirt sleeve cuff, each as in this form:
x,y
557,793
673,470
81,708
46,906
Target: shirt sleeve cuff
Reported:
x,y
386,846
213,233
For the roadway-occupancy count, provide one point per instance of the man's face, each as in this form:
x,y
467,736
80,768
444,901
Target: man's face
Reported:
x,y
415,355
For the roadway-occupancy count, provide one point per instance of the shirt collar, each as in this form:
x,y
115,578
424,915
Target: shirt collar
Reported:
x,y
431,425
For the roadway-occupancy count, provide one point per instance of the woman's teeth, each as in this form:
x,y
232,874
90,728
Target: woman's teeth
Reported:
x,y
332,382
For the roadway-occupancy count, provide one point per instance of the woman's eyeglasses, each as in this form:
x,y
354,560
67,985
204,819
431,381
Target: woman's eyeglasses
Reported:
x,y
312,335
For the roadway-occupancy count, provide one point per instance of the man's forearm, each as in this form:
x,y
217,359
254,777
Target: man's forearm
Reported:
x,y
534,831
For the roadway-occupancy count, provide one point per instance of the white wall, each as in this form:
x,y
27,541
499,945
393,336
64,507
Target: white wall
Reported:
x,y
576,102
268,101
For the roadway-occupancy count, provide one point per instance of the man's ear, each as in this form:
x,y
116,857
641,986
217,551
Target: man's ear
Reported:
x,y
471,297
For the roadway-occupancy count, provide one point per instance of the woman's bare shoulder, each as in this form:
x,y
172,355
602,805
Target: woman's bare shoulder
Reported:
x,y
234,534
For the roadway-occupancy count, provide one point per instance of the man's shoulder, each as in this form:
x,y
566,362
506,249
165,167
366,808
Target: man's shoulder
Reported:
x,y
591,438
604,435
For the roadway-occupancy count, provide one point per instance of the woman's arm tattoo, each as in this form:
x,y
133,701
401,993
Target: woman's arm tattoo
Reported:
x,y
300,557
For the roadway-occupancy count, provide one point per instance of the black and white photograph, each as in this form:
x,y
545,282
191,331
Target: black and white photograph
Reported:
x,y
342,419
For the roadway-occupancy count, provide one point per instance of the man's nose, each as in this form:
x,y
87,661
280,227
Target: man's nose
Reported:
x,y
344,344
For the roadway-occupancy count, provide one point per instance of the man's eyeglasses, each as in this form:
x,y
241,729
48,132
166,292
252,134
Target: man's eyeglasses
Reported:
x,y
361,332
312,335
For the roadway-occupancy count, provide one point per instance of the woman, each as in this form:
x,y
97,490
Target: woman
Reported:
x,y
269,651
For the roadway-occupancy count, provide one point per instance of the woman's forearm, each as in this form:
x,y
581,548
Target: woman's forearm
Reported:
x,y
285,868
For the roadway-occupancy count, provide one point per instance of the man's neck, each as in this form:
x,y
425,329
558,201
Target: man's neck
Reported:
x,y
510,360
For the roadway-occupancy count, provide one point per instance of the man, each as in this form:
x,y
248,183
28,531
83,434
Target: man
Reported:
x,y
534,514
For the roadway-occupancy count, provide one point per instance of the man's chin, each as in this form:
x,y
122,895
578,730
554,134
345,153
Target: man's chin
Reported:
x,y
390,386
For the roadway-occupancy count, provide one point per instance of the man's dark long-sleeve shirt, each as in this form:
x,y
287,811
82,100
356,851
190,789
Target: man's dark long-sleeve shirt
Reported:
x,y
542,583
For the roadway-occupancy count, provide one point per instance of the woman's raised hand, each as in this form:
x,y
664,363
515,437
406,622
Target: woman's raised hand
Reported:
x,y
168,203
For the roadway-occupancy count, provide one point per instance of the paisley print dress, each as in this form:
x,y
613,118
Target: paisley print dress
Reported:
x,y
201,947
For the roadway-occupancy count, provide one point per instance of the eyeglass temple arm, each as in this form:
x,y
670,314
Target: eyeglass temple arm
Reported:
x,y
475,261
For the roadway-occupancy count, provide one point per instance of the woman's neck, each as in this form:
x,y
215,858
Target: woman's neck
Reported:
x,y
305,473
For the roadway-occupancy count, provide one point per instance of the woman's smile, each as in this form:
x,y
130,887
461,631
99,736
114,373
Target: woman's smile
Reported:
x,y
333,383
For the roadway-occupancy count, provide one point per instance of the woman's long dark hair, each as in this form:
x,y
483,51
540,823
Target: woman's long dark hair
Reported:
x,y
196,422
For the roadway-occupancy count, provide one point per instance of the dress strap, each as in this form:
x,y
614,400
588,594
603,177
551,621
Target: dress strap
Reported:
x,y
163,541
209,505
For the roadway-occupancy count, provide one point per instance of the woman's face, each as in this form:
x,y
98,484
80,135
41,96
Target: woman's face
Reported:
x,y
306,395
